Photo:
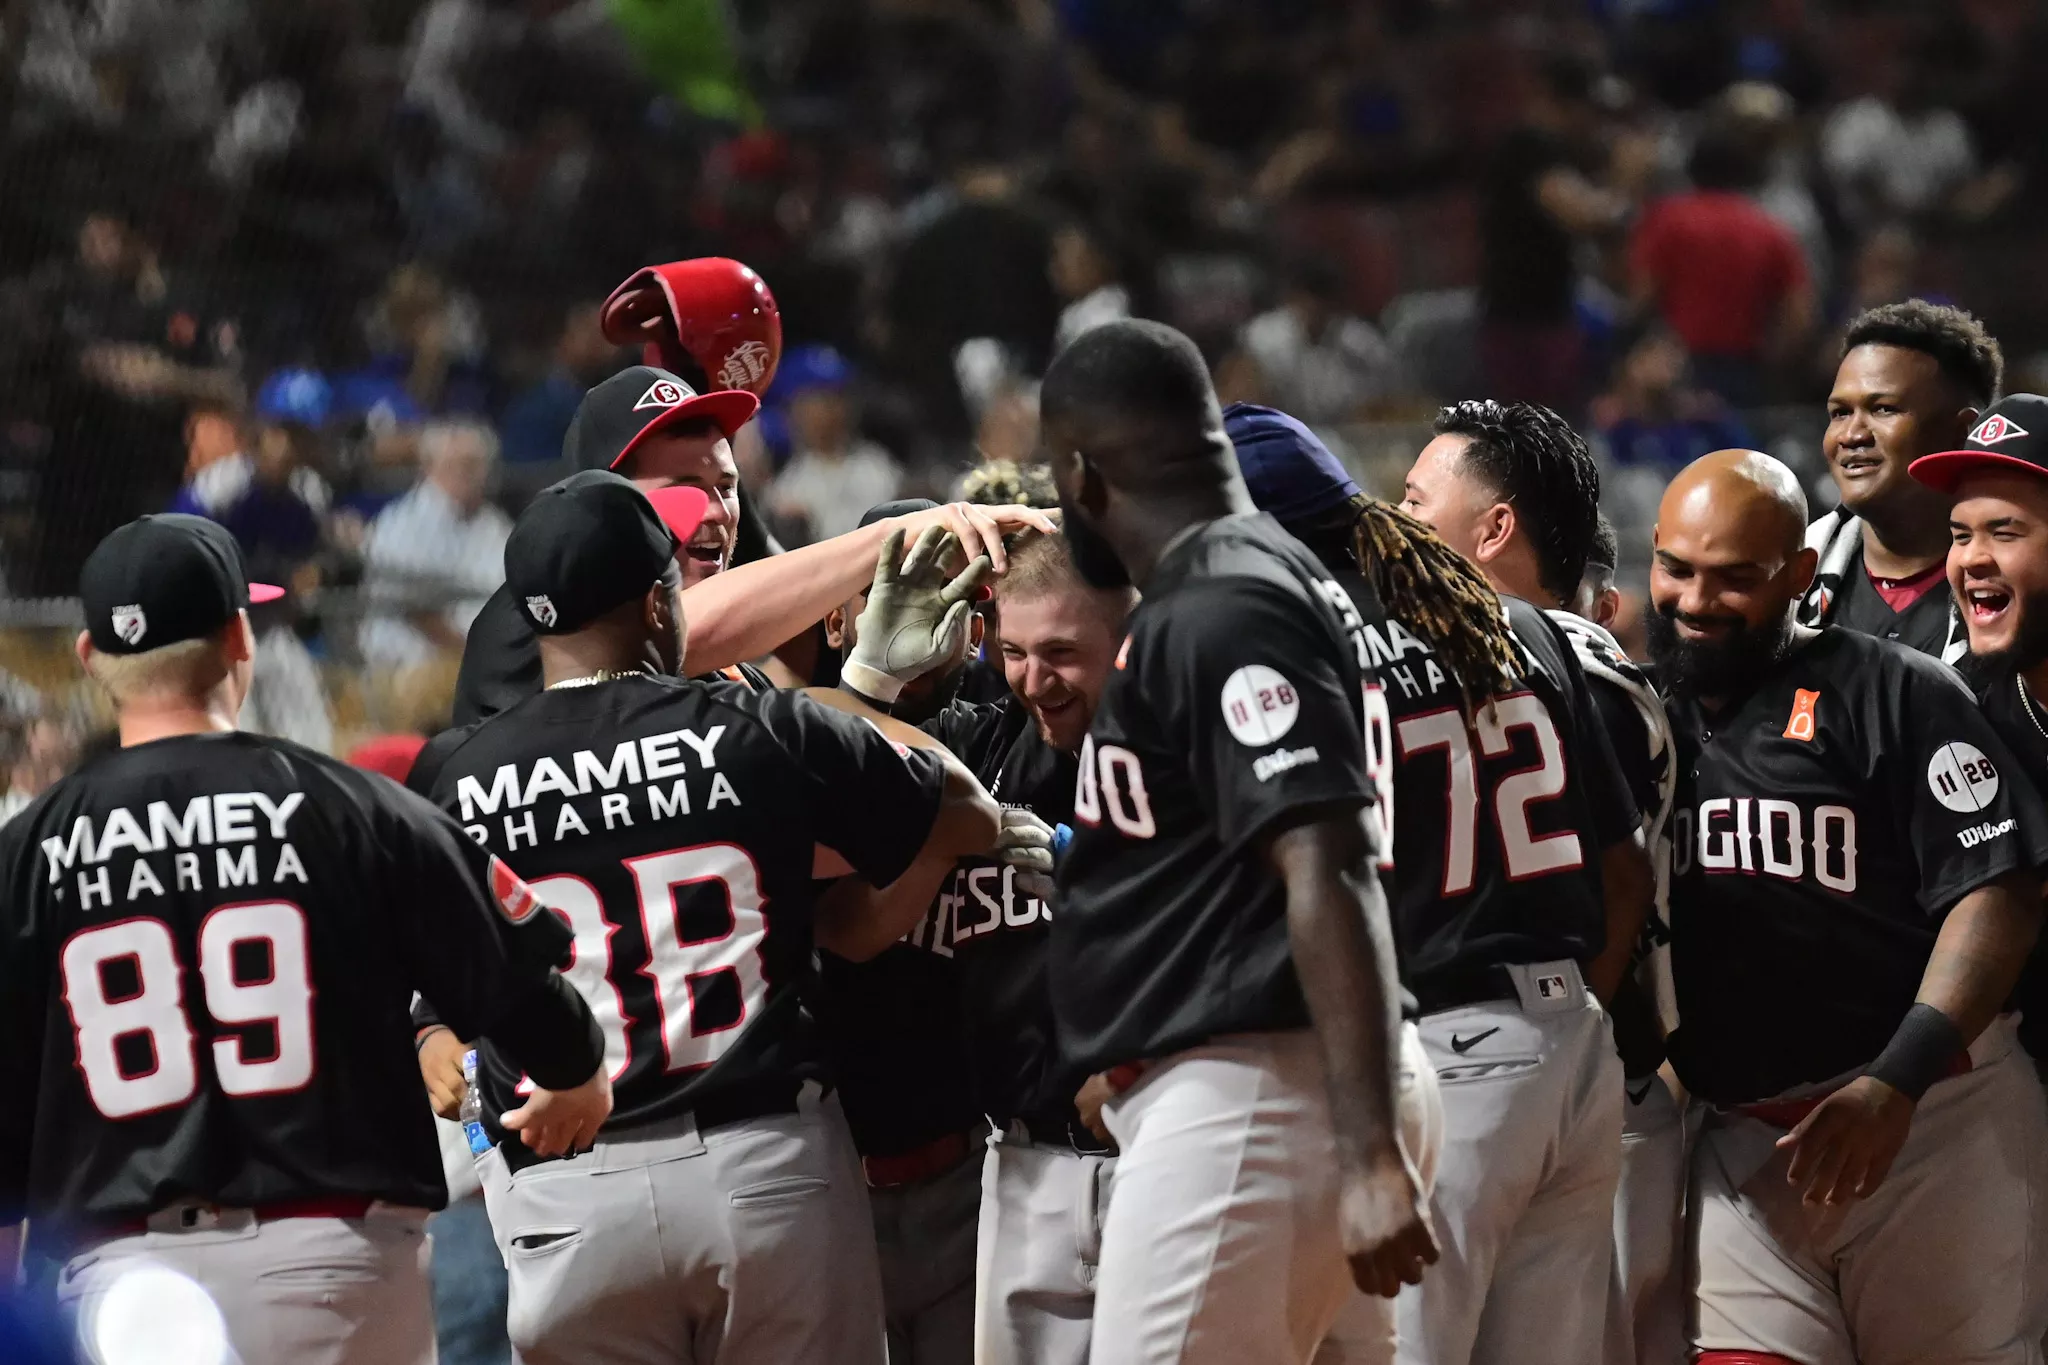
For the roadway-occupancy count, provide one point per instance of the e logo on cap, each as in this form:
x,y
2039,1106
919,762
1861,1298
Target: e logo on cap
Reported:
x,y
662,393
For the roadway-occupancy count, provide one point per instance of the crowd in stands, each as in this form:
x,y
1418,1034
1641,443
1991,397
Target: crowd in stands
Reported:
x,y
328,270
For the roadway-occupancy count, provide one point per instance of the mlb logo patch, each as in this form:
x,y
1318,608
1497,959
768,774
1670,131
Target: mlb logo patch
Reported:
x,y
130,625
662,393
542,609
1551,987
1800,725
1994,429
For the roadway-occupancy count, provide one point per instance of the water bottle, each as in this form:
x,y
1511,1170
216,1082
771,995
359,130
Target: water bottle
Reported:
x,y
473,1108
1062,835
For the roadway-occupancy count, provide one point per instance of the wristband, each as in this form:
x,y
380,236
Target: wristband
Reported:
x,y
871,683
1921,1052
420,1042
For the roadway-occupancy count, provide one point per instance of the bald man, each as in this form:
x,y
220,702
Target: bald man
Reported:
x,y
1854,887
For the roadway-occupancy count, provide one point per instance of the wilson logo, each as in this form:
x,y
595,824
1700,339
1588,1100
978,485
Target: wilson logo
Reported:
x,y
1984,833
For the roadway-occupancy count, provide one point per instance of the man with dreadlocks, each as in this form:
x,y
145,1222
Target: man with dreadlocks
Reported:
x,y
1518,889
1513,488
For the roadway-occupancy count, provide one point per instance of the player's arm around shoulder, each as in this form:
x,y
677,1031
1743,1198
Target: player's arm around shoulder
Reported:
x,y
858,918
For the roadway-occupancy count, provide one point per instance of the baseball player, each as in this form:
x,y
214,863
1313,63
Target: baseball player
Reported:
x,y
1047,1176
1220,945
1853,893
899,1056
711,338
1911,380
1513,487
671,824
1515,862
211,942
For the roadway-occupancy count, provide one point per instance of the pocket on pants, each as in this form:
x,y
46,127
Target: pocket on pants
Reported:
x,y
787,1190
535,1242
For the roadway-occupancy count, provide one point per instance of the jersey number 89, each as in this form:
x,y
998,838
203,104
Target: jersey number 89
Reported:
x,y
123,983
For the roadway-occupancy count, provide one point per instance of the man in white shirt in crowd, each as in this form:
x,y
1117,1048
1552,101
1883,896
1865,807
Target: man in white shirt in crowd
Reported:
x,y
434,555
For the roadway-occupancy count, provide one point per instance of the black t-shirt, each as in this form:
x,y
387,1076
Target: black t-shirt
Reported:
x,y
501,663
208,949
1525,255
1923,626
1238,702
998,934
1499,824
1824,827
671,824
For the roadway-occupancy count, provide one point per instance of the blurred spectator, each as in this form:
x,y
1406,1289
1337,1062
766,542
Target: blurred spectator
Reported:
x,y
834,474
1008,429
977,269
1311,357
1725,276
1088,276
1896,152
1538,197
290,408
427,337
1765,120
434,555
43,750
287,698
1653,418
536,421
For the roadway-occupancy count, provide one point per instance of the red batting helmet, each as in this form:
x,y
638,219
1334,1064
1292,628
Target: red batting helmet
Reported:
x,y
710,314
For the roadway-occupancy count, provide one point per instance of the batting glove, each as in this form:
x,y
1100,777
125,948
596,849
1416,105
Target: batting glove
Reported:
x,y
915,617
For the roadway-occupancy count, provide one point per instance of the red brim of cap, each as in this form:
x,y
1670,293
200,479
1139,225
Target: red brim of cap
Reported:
x,y
726,409
260,593
681,507
1945,469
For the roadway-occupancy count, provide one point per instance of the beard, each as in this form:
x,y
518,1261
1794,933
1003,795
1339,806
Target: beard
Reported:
x,y
1095,559
2029,645
1715,668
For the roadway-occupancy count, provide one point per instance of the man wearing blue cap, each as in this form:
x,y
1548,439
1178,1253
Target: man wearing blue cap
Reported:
x,y
1516,875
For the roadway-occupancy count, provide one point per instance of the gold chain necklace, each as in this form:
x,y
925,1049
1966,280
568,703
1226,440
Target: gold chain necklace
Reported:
x,y
601,676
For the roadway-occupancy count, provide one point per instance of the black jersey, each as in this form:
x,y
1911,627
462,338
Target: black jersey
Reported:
x,y
1924,626
208,948
996,932
1239,700
2020,722
1499,824
1824,826
501,662
672,825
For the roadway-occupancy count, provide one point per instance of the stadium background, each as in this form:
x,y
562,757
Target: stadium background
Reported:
x,y
306,264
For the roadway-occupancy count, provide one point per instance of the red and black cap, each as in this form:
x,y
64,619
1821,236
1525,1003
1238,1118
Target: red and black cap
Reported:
x,y
712,312
635,403
591,543
164,578
2011,437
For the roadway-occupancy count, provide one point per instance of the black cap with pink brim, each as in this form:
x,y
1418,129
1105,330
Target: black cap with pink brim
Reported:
x,y
2010,438
163,579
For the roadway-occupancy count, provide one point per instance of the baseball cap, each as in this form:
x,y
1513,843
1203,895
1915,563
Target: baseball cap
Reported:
x,y
1287,468
302,396
164,578
811,367
2011,436
587,544
635,403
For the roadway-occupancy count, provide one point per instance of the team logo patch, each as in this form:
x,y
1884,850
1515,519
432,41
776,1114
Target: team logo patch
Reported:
x,y
1994,429
515,898
1800,725
662,393
744,366
1259,705
542,609
130,625
1961,778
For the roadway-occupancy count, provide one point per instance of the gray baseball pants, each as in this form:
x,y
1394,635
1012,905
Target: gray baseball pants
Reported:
x,y
1040,1244
749,1243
